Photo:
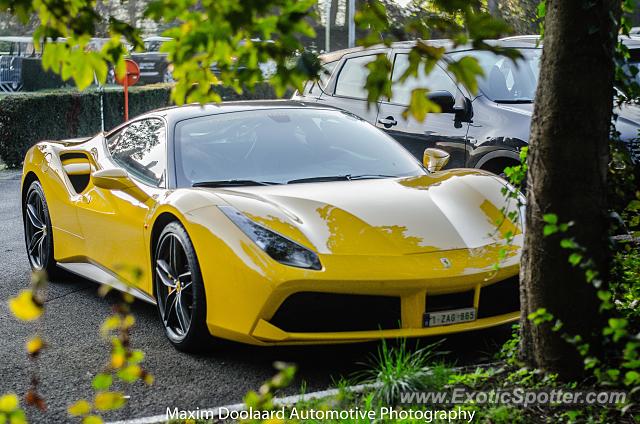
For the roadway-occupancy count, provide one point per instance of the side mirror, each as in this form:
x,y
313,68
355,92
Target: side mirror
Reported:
x,y
112,179
118,179
435,159
444,99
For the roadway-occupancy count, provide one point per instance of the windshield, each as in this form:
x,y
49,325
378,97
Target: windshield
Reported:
x,y
505,81
153,46
285,145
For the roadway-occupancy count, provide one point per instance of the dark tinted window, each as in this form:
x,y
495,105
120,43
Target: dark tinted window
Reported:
x,y
353,76
140,148
436,80
324,76
504,80
285,144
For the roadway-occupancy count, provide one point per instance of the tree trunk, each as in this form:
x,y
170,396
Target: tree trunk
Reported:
x,y
492,7
567,177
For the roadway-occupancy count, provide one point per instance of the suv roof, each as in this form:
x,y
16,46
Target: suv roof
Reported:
x,y
447,44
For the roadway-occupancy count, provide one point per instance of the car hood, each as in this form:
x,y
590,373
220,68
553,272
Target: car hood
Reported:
x,y
448,210
627,122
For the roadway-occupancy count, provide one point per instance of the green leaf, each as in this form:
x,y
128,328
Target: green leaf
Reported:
x,y
102,381
575,258
130,373
467,71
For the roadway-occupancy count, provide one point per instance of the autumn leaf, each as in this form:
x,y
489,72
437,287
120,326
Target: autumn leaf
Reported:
x,y
130,373
92,419
34,345
23,306
79,408
8,402
107,401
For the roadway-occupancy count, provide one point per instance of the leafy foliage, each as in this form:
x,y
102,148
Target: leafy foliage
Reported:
x,y
465,21
68,114
398,369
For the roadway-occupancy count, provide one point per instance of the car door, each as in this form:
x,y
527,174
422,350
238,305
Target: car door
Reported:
x,y
346,90
445,131
113,221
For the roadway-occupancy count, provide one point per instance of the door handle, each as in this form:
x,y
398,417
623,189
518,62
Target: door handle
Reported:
x,y
388,122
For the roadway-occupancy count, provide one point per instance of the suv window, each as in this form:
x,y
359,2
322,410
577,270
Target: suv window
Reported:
x,y
436,80
323,79
140,148
353,76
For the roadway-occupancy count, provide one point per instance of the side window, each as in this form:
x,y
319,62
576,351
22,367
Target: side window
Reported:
x,y
437,80
140,148
353,76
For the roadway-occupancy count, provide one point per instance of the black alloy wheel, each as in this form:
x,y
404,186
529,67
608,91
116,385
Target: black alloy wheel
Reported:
x,y
37,231
179,290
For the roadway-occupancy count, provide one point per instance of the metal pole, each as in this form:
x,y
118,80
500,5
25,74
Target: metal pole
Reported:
x,y
327,31
352,23
101,94
126,97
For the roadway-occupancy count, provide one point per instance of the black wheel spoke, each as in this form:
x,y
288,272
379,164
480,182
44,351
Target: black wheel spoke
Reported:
x,y
173,252
164,273
35,226
41,248
185,280
170,305
32,214
35,240
183,321
174,285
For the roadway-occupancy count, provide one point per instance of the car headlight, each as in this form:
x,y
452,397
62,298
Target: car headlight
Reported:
x,y
280,248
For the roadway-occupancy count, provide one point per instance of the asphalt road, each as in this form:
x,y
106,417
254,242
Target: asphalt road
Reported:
x,y
75,351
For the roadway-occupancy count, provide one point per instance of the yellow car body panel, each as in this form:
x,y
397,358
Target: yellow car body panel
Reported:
x,y
385,249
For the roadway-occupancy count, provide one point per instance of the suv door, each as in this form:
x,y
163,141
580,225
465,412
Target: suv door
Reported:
x,y
346,91
441,130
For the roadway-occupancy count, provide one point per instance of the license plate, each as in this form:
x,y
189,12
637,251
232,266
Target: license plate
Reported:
x,y
454,316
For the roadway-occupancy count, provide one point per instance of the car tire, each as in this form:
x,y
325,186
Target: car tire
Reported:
x,y
38,234
179,290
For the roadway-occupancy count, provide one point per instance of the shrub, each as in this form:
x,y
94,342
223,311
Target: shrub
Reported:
x,y
27,118
35,78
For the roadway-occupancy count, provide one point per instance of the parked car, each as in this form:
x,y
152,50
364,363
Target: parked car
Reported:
x,y
13,50
275,222
483,131
154,66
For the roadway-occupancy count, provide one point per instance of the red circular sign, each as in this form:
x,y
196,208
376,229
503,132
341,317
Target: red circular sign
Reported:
x,y
132,75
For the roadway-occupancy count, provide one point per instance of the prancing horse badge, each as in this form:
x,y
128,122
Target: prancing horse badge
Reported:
x,y
446,262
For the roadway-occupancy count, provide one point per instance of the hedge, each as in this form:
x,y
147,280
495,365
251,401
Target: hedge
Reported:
x,y
27,118
35,78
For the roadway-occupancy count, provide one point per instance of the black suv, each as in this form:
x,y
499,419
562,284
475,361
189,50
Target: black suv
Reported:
x,y
483,131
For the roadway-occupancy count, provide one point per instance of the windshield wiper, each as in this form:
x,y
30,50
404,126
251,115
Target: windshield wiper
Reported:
x,y
347,177
231,183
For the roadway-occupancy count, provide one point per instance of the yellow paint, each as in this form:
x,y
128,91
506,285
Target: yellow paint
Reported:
x,y
376,237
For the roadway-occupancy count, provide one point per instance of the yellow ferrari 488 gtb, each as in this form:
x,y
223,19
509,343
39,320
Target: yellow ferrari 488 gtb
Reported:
x,y
275,223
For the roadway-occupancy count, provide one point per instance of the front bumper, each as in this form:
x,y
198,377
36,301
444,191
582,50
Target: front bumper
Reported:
x,y
331,318
249,312
245,288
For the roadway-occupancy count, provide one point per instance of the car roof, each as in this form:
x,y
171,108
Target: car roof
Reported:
x,y
631,41
16,39
194,110
157,38
447,44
